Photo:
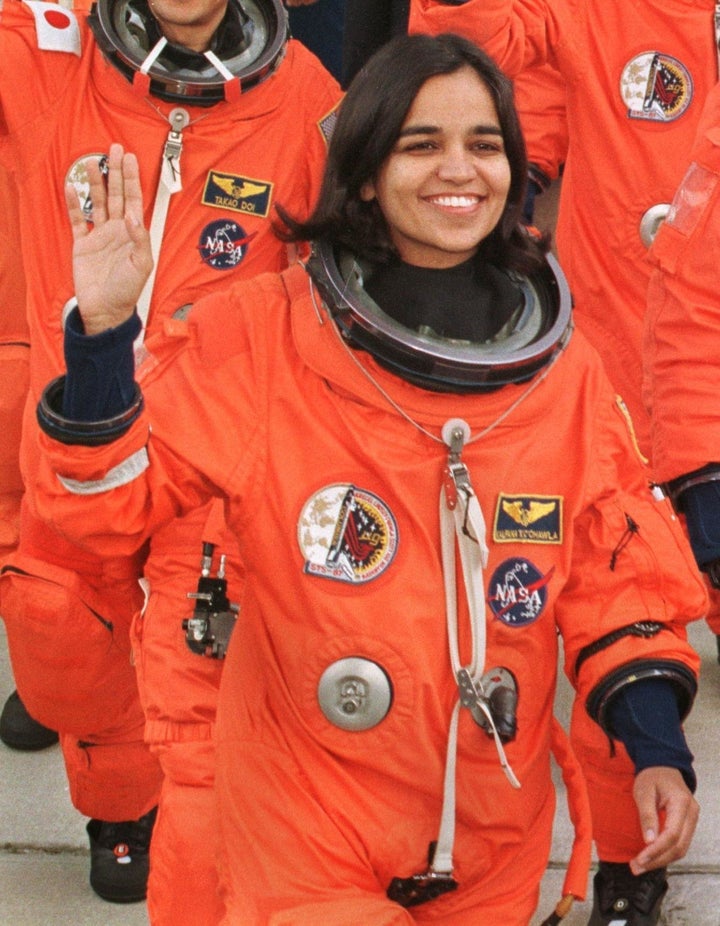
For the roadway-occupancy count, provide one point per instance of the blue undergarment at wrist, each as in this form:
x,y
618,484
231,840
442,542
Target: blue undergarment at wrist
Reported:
x,y
644,716
100,380
701,507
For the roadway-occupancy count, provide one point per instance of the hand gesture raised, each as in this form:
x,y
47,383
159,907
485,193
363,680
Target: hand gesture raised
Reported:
x,y
112,257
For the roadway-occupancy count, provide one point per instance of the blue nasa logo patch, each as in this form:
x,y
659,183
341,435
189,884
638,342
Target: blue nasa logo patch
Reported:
x,y
223,244
517,592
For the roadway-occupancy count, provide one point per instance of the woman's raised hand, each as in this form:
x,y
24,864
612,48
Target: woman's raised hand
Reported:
x,y
112,258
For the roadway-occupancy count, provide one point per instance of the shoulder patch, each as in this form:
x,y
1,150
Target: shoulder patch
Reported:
x,y
57,28
327,123
528,519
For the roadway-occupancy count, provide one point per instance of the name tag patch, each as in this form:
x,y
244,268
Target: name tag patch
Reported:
x,y
528,519
238,194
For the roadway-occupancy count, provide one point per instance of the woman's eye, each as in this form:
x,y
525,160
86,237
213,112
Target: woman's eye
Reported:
x,y
488,146
419,146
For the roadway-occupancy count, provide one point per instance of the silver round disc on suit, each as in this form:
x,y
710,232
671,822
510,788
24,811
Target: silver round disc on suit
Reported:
x,y
651,221
354,693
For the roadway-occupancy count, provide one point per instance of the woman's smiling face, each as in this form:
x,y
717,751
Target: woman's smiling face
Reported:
x,y
444,186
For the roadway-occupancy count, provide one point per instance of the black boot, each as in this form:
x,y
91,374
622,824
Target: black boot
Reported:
x,y
625,899
19,731
119,858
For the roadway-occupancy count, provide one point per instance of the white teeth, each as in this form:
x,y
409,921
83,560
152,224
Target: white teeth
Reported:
x,y
455,201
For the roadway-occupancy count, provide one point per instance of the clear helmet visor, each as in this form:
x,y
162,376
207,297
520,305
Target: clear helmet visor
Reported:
x,y
528,342
132,44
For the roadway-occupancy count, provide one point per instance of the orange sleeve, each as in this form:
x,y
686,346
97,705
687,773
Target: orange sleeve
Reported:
x,y
682,328
540,101
517,36
14,363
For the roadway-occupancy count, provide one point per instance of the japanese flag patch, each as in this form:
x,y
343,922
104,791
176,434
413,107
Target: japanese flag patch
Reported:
x,y
57,28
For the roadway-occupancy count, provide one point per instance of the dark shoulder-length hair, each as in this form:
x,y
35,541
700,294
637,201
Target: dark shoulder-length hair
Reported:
x,y
370,118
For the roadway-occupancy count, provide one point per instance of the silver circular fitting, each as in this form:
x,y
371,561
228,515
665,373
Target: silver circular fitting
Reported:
x,y
354,694
452,425
178,118
651,221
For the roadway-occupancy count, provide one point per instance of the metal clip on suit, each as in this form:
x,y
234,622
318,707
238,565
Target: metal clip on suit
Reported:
x,y
208,631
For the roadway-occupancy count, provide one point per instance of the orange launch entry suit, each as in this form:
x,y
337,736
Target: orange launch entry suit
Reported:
x,y
68,612
336,502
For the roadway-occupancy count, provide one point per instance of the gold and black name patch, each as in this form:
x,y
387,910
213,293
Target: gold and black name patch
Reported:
x,y
528,519
238,194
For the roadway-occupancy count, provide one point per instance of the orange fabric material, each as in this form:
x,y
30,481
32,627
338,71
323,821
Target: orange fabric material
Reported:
x,y
179,690
295,426
112,777
178,687
57,621
576,876
622,159
683,321
69,648
609,775
185,839
540,102
14,364
300,854
238,161
272,138
68,625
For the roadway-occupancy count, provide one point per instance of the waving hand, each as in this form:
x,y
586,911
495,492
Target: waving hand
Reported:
x,y
112,259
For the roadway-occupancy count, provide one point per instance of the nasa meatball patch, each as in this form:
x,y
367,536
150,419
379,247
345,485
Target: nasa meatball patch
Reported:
x,y
223,244
517,592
